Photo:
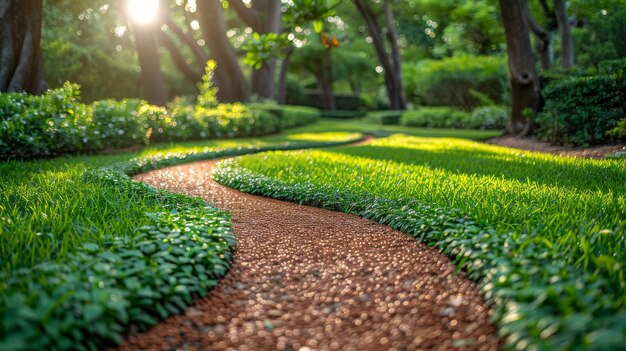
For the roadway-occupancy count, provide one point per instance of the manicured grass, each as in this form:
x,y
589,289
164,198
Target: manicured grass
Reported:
x,y
545,236
85,251
342,125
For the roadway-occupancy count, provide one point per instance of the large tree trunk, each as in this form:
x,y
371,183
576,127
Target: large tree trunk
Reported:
x,y
325,82
544,44
399,97
523,77
193,74
391,65
21,61
151,77
565,29
230,81
282,77
263,17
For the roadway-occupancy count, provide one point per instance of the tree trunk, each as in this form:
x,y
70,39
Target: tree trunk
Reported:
x,y
263,17
544,44
399,94
282,77
325,82
230,81
151,77
565,29
391,65
523,78
21,61
191,73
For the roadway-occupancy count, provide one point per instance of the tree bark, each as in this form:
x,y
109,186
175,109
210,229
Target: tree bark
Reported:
x,y
151,77
544,44
565,29
230,81
325,82
282,77
21,61
187,38
392,36
192,74
523,78
263,17
393,79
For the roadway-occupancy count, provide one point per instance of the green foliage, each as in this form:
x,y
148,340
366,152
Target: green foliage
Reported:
x,y
602,38
385,117
207,96
290,116
448,82
43,125
543,235
86,252
342,114
58,123
436,117
263,47
582,110
488,117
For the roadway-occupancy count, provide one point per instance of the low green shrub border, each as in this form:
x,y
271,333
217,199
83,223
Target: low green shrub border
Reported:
x,y
58,122
435,117
488,117
385,117
88,301
290,116
542,302
342,114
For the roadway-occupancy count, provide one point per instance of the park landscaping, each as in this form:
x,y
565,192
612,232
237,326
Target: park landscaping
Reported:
x,y
544,235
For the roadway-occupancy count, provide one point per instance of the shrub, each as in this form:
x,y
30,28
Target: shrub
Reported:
x,y
43,125
488,117
385,117
344,114
435,117
290,116
117,123
582,111
342,101
236,120
449,82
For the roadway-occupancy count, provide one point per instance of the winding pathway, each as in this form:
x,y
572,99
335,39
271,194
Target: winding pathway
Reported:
x,y
305,278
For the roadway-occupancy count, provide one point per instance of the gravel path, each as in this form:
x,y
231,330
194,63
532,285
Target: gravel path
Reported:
x,y
305,278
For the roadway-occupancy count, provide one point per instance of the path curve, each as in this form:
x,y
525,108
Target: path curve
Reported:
x,y
305,278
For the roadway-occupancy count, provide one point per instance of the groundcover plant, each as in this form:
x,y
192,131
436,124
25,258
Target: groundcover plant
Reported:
x,y
544,235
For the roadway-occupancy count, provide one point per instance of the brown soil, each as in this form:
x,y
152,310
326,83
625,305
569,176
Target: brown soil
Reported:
x,y
304,278
542,146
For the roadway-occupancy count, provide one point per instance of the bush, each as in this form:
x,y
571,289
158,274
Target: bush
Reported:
x,y
488,117
342,101
449,82
343,114
582,111
43,125
385,117
290,116
236,120
435,117
117,123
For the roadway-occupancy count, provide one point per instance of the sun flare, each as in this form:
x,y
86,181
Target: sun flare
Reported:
x,y
143,11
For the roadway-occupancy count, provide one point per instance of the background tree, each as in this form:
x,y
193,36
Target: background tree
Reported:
x,y
21,62
389,59
523,79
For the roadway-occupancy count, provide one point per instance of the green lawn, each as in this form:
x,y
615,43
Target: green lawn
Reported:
x,y
545,235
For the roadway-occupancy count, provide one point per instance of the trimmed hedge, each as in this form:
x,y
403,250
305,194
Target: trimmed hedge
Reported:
x,y
385,117
342,114
582,111
435,117
290,116
487,117
59,123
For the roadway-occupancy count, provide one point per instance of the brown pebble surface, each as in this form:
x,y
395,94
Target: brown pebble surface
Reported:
x,y
305,278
